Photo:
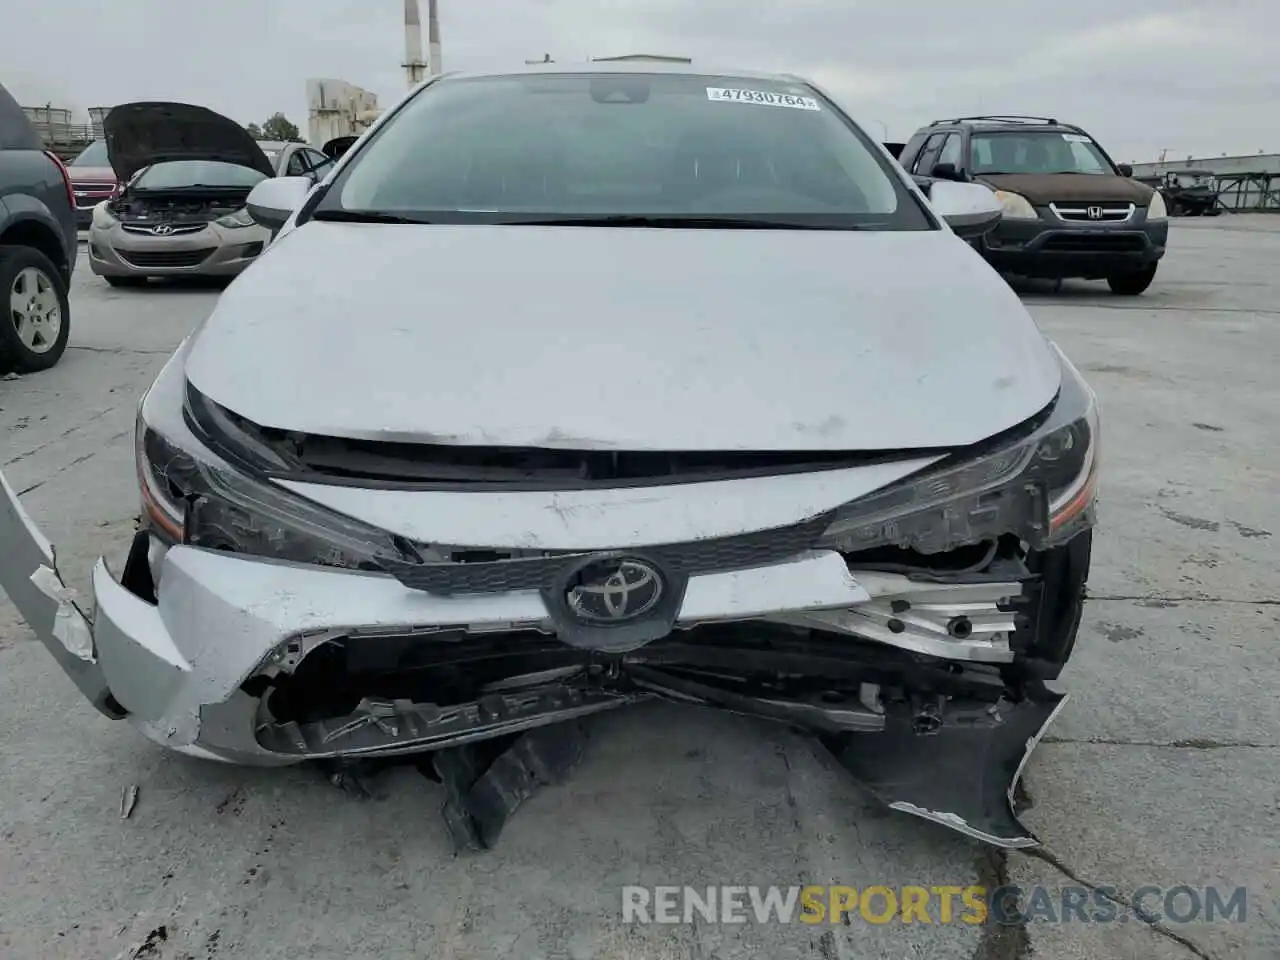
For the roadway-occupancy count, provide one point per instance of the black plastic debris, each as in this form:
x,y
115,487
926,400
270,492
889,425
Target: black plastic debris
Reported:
x,y
484,787
962,773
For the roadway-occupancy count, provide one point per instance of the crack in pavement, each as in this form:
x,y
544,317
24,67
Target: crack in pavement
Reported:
x,y
76,462
63,435
1152,924
1000,941
1153,308
1161,598
132,350
1194,743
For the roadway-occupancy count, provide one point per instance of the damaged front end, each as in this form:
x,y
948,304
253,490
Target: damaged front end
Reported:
x,y
281,605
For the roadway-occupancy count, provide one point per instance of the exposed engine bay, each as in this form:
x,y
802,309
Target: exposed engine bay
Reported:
x,y
188,206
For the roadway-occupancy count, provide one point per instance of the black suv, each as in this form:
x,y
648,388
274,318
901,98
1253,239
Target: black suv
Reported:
x,y
1069,211
37,245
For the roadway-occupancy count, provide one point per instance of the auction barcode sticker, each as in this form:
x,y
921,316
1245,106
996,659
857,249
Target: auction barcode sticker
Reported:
x,y
764,97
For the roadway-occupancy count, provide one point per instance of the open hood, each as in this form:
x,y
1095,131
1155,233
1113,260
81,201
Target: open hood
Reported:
x,y
1043,188
140,134
336,147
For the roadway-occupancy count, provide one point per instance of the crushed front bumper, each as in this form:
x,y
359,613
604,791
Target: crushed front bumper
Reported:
x,y
930,690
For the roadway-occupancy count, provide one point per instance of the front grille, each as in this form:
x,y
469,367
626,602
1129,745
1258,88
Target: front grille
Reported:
x,y
739,552
165,258
174,228
1093,212
1095,243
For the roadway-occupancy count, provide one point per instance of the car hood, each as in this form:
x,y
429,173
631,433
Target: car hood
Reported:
x,y
140,134
625,339
92,174
1045,188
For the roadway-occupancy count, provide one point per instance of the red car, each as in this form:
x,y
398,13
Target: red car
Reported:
x,y
92,180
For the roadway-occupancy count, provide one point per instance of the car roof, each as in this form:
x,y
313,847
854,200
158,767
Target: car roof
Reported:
x,y
627,66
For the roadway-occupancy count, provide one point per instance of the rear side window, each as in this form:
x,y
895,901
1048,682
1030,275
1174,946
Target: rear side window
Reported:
x,y
16,131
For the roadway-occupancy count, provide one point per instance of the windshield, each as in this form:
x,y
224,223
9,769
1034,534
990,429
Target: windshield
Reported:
x,y
1040,152
177,174
94,155
590,146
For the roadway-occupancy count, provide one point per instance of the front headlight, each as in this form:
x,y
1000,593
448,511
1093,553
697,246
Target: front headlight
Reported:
x,y
1040,488
1157,210
1016,206
207,503
235,221
102,217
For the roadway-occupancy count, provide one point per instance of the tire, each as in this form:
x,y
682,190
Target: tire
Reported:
x,y
126,281
34,335
1133,282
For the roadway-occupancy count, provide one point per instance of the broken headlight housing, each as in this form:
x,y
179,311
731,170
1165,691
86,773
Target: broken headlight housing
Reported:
x,y
202,501
1039,487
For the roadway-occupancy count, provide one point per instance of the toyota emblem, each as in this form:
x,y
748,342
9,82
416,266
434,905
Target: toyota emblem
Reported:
x,y
162,229
609,591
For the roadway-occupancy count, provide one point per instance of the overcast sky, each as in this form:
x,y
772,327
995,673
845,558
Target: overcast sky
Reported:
x,y
1193,76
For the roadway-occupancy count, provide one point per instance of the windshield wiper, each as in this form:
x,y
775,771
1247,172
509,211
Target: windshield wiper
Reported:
x,y
363,216
676,222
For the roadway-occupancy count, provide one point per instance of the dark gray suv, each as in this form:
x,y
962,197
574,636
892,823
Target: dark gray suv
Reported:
x,y
37,245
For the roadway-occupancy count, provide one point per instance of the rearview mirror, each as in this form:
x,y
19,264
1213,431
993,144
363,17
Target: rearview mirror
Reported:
x,y
970,209
274,201
1125,170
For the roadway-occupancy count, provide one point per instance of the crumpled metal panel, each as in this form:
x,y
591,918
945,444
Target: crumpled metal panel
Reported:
x,y
44,601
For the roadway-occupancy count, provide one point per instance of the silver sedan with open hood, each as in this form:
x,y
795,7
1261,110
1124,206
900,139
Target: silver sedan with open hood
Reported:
x,y
573,388
187,172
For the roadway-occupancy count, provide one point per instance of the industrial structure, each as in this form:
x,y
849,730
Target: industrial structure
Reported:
x,y
60,131
1249,182
336,108
415,68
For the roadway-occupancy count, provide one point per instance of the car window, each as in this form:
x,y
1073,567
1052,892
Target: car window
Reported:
x,y
94,155
622,144
1046,151
929,155
190,173
952,151
297,165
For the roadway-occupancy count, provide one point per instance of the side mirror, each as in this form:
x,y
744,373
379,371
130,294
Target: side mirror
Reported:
x,y
947,171
274,201
970,209
1125,170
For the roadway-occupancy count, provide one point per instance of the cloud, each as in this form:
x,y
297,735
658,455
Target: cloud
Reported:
x,y
1141,75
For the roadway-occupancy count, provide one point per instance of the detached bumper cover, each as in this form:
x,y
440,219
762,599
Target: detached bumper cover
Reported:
x,y
916,707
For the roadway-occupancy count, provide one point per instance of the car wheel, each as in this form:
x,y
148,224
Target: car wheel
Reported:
x,y
126,281
35,318
1132,282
